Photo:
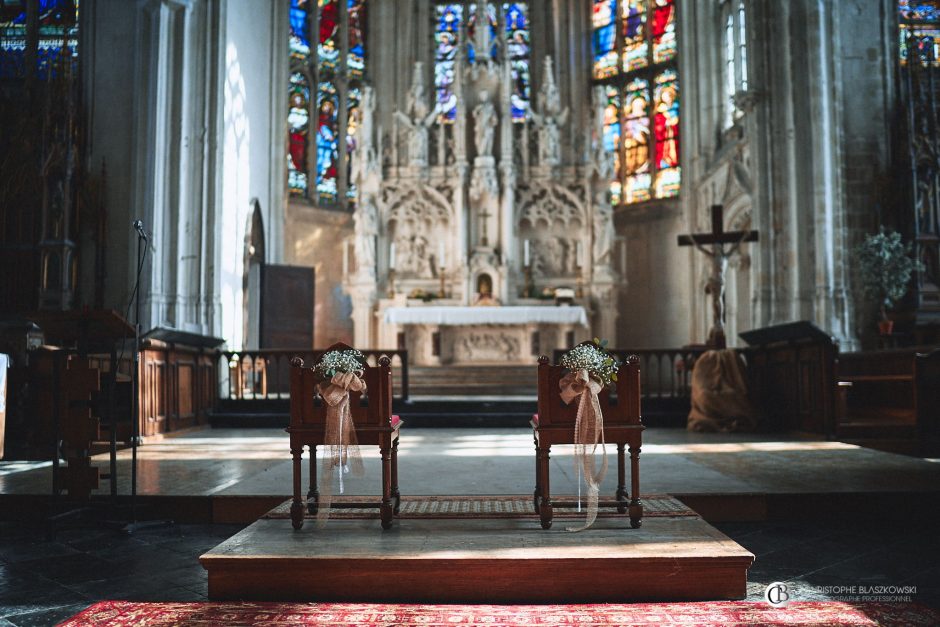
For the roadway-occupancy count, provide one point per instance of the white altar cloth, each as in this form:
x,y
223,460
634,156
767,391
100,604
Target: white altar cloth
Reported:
x,y
457,316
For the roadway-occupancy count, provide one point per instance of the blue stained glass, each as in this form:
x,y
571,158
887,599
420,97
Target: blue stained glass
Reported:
x,y
58,36
13,40
327,141
918,30
919,10
355,61
471,26
518,53
12,13
604,38
446,38
516,15
299,29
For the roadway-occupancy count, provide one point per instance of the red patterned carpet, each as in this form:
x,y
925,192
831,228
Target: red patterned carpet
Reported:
x,y
730,613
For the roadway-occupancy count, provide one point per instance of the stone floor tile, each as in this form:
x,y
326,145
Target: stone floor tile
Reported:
x,y
47,617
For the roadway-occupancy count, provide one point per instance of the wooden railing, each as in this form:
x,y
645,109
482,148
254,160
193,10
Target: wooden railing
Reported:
x,y
265,374
665,373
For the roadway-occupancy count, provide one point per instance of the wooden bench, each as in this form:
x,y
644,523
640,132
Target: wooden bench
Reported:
x,y
555,422
888,399
374,422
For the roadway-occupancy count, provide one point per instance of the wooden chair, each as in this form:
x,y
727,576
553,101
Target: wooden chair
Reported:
x,y
375,425
554,424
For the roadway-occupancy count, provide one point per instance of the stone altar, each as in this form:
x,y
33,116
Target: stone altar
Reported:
x,y
458,335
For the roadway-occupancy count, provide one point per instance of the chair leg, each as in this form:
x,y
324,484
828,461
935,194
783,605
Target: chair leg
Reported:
x,y
636,506
386,509
621,495
545,499
297,507
538,486
395,493
313,494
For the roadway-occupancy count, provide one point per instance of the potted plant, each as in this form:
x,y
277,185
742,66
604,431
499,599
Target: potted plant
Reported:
x,y
885,267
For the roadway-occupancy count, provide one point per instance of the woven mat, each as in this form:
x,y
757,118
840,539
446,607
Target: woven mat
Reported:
x,y
486,507
721,613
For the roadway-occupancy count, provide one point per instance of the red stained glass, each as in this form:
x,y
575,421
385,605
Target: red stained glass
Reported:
x,y
329,20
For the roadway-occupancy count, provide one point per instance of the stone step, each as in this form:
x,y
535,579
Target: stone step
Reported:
x,y
462,380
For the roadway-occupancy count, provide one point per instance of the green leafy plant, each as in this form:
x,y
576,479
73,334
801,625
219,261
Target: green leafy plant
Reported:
x,y
885,267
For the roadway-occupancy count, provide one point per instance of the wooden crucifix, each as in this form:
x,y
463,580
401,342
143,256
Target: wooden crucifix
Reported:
x,y
719,255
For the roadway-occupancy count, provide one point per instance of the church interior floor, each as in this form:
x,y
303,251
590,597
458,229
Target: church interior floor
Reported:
x,y
42,582
255,462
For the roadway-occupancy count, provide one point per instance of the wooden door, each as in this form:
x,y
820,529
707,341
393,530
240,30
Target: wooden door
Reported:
x,y
287,296
287,301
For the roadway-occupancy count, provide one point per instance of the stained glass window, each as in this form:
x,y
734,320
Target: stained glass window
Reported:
x,y
319,147
605,38
634,34
58,37
635,54
919,30
510,18
448,19
355,68
473,22
516,16
298,119
734,55
299,30
611,138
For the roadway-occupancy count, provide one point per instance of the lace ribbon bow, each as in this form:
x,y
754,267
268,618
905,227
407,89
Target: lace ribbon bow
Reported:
x,y
588,431
341,447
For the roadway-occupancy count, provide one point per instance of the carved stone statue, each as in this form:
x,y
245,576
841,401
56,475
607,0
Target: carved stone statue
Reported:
x,y
417,137
484,120
603,234
549,97
418,121
550,118
603,159
549,136
412,253
367,228
364,159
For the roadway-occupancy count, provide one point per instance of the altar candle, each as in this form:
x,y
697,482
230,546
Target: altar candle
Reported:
x,y
391,256
525,253
579,254
440,254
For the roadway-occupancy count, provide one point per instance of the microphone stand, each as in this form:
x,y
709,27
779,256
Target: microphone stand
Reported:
x,y
134,525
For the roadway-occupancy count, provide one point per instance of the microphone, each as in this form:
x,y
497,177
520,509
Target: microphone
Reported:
x,y
139,227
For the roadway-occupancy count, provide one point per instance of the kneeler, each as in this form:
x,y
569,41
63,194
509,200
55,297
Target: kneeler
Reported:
x,y
555,424
371,413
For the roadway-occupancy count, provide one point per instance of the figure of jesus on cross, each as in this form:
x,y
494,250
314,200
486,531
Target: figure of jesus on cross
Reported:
x,y
719,255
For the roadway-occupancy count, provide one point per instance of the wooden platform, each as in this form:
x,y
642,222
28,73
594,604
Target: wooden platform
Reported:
x,y
473,560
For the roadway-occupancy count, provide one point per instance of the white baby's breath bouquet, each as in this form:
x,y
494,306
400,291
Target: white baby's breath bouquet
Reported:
x,y
593,357
332,362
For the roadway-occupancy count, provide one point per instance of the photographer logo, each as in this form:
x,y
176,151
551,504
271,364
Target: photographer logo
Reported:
x,y
777,594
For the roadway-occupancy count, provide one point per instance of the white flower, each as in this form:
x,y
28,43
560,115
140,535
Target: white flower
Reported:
x,y
593,358
340,361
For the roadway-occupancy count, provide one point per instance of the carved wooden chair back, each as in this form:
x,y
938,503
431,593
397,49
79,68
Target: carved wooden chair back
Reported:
x,y
373,408
620,406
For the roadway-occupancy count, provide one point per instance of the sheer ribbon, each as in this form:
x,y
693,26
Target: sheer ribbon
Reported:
x,y
588,432
340,446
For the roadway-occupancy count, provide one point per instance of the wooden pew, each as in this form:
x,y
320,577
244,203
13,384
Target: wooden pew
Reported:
x,y
890,399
